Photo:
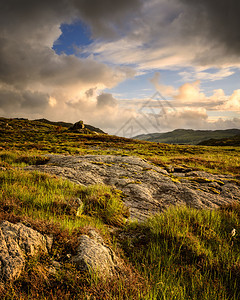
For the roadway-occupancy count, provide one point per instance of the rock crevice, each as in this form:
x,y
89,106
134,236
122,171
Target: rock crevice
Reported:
x,y
18,241
148,189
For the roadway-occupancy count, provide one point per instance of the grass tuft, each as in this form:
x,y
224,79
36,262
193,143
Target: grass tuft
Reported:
x,y
105,202
188,254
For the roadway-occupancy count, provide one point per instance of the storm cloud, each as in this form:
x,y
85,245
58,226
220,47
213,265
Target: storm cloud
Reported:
x,y
31,17
130,37
217,19
176,33
29,65
106,99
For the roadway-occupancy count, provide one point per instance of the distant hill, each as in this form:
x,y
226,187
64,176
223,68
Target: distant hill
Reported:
x,y
231,141
188,136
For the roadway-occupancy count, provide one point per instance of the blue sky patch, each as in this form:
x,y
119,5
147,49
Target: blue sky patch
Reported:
x,y
73,35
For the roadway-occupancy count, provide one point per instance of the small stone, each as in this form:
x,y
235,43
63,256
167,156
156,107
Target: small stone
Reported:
x,y
56,264
49,242
95,256
52,270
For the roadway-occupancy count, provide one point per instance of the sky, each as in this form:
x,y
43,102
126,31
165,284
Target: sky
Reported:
x,y
128,67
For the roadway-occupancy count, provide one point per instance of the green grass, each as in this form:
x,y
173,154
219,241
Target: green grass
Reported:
x,y
49,205
105,202
179,254
188,254
29,138
44,197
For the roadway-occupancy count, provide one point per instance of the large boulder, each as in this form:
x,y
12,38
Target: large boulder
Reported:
x,y
79,127
18,241
148,189
94,255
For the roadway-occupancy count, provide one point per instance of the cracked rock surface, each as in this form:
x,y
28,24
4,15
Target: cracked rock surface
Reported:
x,y
148,189
18,241
94,255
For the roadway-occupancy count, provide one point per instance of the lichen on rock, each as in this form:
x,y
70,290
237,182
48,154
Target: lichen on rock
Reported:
x,y
18,241
146,192
94,255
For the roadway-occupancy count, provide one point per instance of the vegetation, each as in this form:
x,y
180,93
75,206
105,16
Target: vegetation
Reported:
x,y
188,136
65,210
180,254
188,254
33,138
230,141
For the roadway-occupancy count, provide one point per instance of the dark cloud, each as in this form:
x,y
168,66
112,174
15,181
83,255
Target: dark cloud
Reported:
x,y
31,72
106,99
15,101
106,17
22,65
217,19
28,30
173,33
102,16
90,93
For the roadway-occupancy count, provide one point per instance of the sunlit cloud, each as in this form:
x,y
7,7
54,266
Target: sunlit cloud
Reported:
x,y
129,39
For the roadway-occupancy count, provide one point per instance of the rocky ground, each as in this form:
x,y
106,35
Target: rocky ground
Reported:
x,y
18,242
147,189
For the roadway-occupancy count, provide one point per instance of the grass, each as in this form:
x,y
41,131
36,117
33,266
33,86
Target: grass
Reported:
x,y
105,202
180,254
50,205
44,197
188,254
29,138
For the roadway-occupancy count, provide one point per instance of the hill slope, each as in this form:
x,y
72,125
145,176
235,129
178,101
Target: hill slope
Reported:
x,y
187,136
67,125
230,141
62,217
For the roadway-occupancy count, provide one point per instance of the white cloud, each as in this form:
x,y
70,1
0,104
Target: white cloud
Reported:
x,y
190,93
233,102
187,107
165,90
195,74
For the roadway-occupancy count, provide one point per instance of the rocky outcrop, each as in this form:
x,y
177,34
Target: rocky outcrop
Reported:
x,y
18,241
80,127
94,255
77,126
148,189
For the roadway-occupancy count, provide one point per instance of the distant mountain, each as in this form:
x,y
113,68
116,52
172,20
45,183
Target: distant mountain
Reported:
x,y
188,136
67,125
230,141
